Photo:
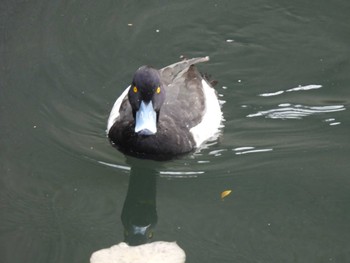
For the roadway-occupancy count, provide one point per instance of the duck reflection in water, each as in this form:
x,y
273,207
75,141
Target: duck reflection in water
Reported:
x,y
139,214
139,217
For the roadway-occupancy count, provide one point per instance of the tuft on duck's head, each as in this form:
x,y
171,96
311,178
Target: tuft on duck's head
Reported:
x,y
146,97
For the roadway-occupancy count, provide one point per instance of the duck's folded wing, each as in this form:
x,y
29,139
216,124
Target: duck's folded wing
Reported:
x,y
170,72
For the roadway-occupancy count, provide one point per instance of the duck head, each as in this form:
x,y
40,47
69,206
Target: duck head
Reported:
x,y
146,96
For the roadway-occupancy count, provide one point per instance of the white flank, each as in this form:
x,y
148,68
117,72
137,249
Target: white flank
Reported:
x,y
115,110
212,118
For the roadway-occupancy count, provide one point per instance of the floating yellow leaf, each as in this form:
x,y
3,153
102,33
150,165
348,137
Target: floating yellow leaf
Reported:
x,y
225,193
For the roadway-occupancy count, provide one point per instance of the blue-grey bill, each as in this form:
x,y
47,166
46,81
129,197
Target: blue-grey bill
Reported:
x,y
146,119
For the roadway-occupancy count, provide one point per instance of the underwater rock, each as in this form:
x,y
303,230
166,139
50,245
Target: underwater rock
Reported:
x,y
156,252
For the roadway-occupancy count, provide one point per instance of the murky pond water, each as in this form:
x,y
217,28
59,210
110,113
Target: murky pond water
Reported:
x,y
283,71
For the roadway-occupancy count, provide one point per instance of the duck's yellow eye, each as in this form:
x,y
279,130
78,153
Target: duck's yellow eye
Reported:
x,y
135,89
158,90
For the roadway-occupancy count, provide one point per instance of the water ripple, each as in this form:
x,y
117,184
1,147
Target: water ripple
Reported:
x,y
248,149
180,174
299,88
290,111
117,166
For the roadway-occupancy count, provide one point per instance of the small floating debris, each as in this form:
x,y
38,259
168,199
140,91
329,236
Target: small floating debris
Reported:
x,y
225,193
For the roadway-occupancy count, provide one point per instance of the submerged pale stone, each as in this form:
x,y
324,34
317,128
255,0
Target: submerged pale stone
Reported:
x,y
156,252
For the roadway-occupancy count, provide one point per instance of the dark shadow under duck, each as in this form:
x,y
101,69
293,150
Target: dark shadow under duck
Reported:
x,y
165,113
